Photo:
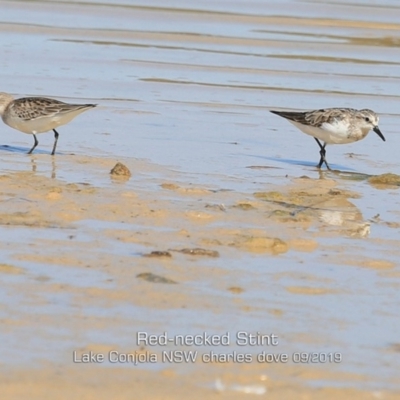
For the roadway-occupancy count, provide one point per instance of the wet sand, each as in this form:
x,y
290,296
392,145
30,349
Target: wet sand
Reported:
x,y
123,383
222,225
85,259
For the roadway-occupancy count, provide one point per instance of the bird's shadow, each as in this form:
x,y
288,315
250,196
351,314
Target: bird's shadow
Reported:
x,y
304,163
338,170
24,150
21,150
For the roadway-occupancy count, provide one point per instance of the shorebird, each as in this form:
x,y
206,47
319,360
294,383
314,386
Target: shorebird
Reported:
x,y
334,126
35,115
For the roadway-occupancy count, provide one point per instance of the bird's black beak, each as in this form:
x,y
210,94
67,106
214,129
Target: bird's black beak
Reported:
x,y
379,133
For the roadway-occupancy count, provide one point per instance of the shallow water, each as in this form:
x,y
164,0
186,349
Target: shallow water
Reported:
x,y
187,88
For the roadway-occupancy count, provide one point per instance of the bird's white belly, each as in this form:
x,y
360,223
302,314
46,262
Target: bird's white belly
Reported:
x,y
328,133
34,126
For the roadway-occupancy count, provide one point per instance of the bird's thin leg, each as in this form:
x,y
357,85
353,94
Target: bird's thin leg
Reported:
x,y
322,153
327,165
34,145
55,141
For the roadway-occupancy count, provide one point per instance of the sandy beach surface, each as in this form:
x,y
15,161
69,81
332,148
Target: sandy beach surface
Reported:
x,y
182,244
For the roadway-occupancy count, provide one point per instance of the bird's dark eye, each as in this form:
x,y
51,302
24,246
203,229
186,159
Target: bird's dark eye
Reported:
x,y
366,119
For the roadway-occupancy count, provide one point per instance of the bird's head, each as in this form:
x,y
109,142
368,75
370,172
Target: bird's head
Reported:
x,y
369,120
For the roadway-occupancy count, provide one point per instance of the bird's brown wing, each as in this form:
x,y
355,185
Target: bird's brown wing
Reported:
x,y
314,118
29,108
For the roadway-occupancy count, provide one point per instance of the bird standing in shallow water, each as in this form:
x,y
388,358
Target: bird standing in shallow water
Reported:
x,y
334,126
34,115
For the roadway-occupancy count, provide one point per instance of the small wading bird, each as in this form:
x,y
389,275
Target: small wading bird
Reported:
x,y
334,126
34,115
